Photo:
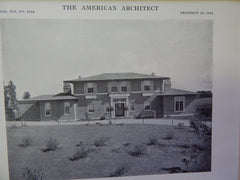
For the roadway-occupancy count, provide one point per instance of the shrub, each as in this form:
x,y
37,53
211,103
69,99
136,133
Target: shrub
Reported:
x,y
27,141
200,129
204,112
109,109
118,172
52,145
169,135
116,150
102,118
100,142
80,143
139,150
198,156
180,125
152,141
32,174
80,154
126,144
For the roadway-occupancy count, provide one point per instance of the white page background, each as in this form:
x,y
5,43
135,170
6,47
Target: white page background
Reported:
x,y
226,48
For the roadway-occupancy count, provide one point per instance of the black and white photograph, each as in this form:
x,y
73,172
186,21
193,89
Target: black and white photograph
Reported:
x,y
99,98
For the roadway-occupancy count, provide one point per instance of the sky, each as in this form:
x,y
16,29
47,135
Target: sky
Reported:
x,y
38,55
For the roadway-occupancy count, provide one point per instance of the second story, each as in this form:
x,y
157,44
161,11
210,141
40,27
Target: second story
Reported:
x,y
115,83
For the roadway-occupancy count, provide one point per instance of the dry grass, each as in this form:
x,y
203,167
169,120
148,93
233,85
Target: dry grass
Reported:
x,y
27,141
33,174
106,160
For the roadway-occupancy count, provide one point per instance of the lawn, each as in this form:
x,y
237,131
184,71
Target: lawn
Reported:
x,y
105,150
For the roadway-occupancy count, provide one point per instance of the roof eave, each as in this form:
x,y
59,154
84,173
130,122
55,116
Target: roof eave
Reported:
x,y
116,79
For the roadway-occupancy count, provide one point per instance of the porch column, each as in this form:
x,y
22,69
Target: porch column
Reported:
x,y
75,111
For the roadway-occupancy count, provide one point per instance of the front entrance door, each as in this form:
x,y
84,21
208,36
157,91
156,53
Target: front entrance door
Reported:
x,y
119,109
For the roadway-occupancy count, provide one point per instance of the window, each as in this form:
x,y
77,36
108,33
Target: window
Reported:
x,y
114,89
91,108
146,85
147,107
147,88
179,103
66,108
90,90
124,88
47,108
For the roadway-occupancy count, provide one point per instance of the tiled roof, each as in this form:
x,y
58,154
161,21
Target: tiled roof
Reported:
x,y
50,97
174,91
117,76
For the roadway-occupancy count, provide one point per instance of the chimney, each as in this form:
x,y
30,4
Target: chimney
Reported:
x,y
79,77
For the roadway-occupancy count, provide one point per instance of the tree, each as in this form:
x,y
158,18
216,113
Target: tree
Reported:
x,y
6,98
10,93
26,95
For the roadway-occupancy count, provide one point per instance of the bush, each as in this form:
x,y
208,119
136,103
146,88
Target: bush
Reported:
x,y
126,144
109,109
139,150
152,141
181,125
80,143
32,174
52,145
100,142
200,129
102,118
27,141
119,172
169,135
198,156
80,154
116,150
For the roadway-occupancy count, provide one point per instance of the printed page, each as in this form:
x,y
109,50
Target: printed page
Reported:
x,y
137,90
